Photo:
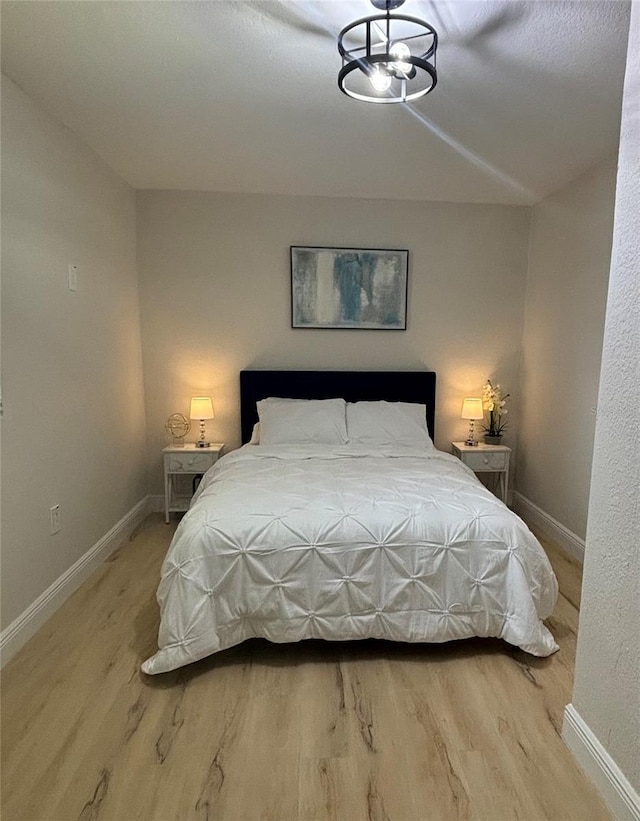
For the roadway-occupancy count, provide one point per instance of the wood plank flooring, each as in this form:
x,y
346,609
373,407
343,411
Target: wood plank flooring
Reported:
x,y
367,731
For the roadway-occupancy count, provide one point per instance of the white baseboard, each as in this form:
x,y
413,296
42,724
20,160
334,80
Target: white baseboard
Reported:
x,y
618,794
21,629
542,521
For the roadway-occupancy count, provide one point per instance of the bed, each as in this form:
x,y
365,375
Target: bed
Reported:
x,y
319,529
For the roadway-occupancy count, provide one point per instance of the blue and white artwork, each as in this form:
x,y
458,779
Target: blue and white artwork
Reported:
x,y
349,288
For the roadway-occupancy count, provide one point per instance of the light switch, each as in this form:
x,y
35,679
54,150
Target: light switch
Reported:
x,y
73,278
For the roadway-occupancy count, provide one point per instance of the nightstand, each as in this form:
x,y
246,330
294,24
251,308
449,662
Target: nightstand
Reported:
x,y
486,459
185,461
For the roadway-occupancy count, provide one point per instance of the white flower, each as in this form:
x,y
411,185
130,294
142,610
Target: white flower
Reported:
x,y
494,402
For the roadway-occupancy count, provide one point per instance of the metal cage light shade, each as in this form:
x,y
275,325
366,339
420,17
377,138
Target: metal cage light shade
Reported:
x,y
384,67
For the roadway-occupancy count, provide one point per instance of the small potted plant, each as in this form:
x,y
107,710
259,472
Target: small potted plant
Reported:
x,y
494,403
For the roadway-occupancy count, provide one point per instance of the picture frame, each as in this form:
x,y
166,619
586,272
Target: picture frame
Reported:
x,y
349,288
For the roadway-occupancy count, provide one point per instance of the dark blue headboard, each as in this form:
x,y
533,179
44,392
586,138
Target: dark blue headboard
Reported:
x,y
353,386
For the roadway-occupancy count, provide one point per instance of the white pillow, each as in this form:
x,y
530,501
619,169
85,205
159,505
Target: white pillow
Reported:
x,y
302,421
402,424
255,434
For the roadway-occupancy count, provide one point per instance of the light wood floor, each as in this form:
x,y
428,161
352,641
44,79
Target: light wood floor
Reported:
x,y
369,731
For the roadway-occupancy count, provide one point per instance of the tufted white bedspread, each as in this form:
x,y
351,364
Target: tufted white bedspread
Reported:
x,y
347,543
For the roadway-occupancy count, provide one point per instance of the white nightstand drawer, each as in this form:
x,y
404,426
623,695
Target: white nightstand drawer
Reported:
x,y
190,462
482,460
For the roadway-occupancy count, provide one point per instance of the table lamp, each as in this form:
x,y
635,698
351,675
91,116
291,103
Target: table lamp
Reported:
x,y
471,410
201,408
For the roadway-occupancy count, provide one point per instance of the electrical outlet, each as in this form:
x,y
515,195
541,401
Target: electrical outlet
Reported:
x,y
54,519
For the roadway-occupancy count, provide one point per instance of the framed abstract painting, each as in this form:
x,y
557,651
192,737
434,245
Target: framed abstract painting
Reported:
x,y
349,288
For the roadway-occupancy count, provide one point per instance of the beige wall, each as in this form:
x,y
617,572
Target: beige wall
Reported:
x,y
569,255
215,296
607,678
73,429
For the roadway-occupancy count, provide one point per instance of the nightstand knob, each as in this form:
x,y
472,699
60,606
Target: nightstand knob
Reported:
x,y
486,460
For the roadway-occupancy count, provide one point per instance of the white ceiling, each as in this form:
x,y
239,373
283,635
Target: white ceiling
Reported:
x,y
241,95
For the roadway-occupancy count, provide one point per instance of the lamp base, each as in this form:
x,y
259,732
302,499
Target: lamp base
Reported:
x,y
471,436
200,444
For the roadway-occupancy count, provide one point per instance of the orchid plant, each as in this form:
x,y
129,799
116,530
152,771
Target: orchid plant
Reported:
x,y
494,402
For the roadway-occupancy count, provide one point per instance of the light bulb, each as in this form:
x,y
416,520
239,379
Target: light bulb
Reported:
x,y
401,51
380,80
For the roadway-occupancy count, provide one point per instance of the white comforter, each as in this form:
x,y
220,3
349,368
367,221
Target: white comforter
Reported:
x,y
345,543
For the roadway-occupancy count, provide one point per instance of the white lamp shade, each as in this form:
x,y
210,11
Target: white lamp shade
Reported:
x,y
201,408
472,408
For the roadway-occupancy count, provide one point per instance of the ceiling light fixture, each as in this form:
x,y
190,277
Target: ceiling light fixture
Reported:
x,y
392,59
